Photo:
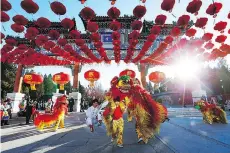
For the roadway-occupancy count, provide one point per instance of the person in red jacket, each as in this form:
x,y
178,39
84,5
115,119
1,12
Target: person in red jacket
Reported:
x,y
113,119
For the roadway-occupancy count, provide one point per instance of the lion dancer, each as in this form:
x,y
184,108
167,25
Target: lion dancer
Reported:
x,y
113,119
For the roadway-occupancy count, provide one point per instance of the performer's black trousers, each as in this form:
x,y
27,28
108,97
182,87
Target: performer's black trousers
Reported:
x,y
28,114
71,108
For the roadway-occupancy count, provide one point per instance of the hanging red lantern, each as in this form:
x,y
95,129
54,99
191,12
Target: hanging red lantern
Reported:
x,y
43,22
11,41
221,38
79,42
113,2
175,31
207,36
74,34
214,8
136,25
31,33
155,30
22,47
62,42
20,20
220,26
228,15
29,6
115,35
4,17
95,37
156,77
168,40
134,35
115,25
225,48
58,8
54,34
2,37
67,23
68,48
201,22
209,45
33,79
92,76
92,27
87,13
17,28
5,5
113,13
41,40
129,73
49,45
167,5
160,19
8,47
194,6
139,11
61,79
183,20
190,32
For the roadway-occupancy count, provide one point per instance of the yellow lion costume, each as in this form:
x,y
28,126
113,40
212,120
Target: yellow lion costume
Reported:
x,y
211,113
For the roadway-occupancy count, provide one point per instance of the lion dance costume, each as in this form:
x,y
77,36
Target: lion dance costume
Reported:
x,y
55,118
211,113
148,113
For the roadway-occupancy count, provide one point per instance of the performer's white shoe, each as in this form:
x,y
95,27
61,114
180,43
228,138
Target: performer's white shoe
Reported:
x,y
140,140
121,146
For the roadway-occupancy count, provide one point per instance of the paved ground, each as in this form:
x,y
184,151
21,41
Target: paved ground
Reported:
x,y
180,135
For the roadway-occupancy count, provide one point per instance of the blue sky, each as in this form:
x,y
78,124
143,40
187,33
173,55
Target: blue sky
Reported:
x,y
101,7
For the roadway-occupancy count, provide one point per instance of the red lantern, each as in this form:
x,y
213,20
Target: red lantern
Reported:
x,y
136,25
22,47
29,6
183,20
228,15
209,45
92,76
61,79
139,11
115,25
74,34
129,73
8,47
194,6
67,23
20,20
156,77
225,48
4,17
207,36
116,35
5,5
17,28
87,13
58,8
32,79
113,13
43,22
54,34
167,5
155,30
11,41
92,27
201,22
79,42
41,40
221,38
160,19
214,8
190,32
49,45
220,26
168,40
175,31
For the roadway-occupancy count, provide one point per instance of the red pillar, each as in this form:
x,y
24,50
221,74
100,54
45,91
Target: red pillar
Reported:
x,y
18,79
75,75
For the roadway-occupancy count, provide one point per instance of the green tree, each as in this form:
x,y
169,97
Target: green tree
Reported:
x,y
48,85
8,74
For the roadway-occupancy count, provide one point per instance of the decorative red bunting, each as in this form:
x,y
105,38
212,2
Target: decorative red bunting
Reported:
x,y
58,8
29,6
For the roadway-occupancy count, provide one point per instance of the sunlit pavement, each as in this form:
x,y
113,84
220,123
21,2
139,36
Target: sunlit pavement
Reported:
x,y
184,135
